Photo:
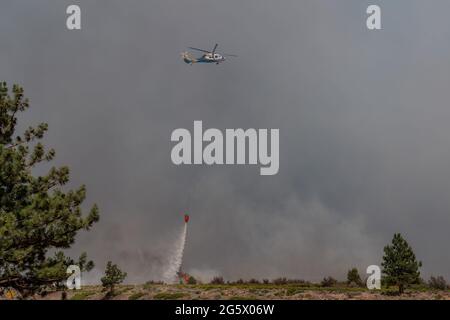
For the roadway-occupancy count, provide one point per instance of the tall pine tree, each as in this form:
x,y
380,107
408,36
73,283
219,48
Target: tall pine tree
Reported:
x,y
36,215
400,266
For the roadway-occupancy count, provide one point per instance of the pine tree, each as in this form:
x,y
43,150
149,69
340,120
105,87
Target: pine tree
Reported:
x,y
400,266
113,276
36,214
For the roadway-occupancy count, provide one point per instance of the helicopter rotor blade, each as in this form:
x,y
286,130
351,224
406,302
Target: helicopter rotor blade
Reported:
x,y
201,50
229,55
214,50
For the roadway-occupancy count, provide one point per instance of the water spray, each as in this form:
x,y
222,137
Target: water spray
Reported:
x,y
176,258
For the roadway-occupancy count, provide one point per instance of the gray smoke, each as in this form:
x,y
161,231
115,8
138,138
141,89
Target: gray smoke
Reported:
x,y
363,119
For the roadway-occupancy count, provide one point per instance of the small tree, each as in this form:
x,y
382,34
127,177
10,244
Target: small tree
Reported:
x,y
353,277
113,276
400,266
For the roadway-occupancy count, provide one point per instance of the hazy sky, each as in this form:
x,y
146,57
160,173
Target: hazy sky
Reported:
x,y
363,118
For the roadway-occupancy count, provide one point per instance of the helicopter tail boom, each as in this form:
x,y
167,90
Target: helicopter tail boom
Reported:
x,y
187,58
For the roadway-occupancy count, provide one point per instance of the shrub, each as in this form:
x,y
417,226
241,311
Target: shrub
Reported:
x,y
438,283
217,280
328,282
136,296
253,281
169,296
280,281
81,295
299,282
192,280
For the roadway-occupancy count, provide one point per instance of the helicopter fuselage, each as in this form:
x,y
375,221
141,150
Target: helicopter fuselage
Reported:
x,y
211,58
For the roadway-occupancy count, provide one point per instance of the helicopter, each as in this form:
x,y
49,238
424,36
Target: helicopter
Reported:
x,y
207,57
